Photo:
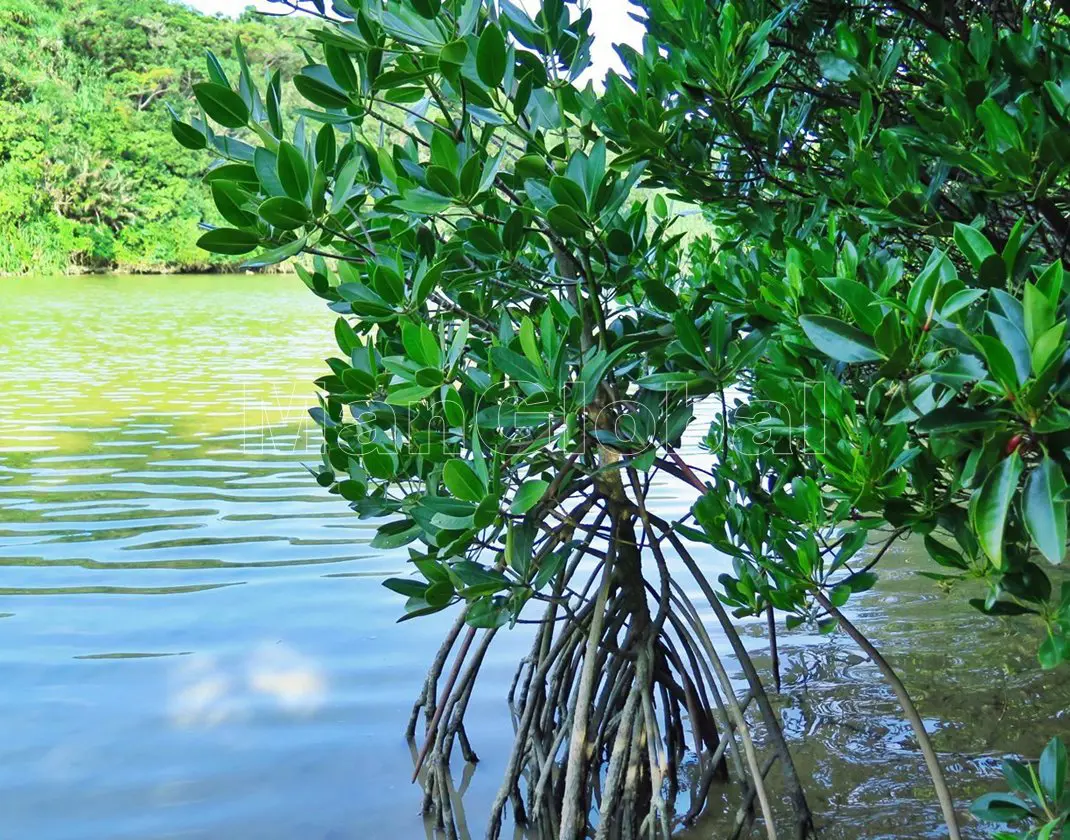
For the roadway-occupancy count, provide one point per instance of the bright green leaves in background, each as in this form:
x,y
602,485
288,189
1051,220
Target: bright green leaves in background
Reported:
x,y
91,178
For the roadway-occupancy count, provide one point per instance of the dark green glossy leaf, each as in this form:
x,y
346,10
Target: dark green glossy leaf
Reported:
x,y
222,104
320,92
838,340
461,480
406,586
973,244
566,221
229,241
285,213
1043,512
999,807
490,56
990,505
293,171
187,135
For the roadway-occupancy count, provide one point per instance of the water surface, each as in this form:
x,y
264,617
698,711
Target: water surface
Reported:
x,y
194,641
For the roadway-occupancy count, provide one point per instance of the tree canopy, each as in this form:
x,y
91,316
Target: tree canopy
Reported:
x,y
879,314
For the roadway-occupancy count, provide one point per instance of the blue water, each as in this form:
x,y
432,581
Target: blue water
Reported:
x,y
194,642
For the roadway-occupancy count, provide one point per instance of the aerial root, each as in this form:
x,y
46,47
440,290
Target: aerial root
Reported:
x,y
608,706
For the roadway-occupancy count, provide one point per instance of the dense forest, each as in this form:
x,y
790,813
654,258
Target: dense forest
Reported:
x,y
90,177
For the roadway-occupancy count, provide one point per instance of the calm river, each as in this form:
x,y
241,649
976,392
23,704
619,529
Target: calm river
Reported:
x,y
194,642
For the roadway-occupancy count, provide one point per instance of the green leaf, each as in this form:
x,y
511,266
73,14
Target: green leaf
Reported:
x,y
528,495
341,67
478,579
319,90
221,104
861,581
957,418
406,586
358,381
229,198
421,202
519,540
293,171
1000,607
1013,340
490,56
1039,313
529,343
835,68
461,480
1047,347
661,295
395,535
408,394
344,183
439,594
960,300
215,70
993,272
444,152
1050,282
619,242
973,244
486,614
241,174
1044,514
838,340
859,299
452,56
378,462
1052,651
513,364
990,505
566,221
276,255
284,213
429,377
926,286
229,241
596,368
187,135
944,555
1000,362
999,807
1053,770
453,406
569,193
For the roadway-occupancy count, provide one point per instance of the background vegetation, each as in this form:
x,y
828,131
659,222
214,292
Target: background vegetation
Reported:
x,y
88,178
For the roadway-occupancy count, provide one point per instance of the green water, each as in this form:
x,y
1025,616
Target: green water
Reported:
x,y
194,642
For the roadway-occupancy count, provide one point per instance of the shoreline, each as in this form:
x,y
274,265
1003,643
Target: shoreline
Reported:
x,y
129,272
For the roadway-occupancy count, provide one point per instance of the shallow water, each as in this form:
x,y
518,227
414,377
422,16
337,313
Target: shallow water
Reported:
x,y
194,642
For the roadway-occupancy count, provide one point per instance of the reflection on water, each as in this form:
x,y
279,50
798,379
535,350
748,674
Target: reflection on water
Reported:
x,y
208,691
208,653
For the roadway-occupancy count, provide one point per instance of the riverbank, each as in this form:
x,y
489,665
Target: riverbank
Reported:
x,y
178,271
91,178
